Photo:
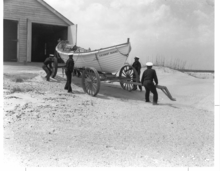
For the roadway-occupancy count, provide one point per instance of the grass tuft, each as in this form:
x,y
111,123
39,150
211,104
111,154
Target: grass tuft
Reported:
x,y
19,80
18,89
19,77
175,64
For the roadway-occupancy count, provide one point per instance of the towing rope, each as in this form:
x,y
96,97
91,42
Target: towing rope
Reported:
x,y
96,55
122,53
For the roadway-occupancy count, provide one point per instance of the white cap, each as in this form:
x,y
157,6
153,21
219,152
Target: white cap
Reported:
x,y
149,64
137,57
51,55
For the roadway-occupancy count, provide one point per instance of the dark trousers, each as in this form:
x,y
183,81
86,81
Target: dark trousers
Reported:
x,y
135,86
150,87
48,72
68,81
77,72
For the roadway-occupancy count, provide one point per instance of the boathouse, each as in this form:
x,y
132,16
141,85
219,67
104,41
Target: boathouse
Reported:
x,y
32,29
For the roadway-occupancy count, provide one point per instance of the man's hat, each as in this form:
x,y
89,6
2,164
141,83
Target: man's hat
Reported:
x,y
136,57
51,55
149,64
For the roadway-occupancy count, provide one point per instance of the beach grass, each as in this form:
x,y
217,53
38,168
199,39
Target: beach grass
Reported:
x,y
19,77
171,63
15,82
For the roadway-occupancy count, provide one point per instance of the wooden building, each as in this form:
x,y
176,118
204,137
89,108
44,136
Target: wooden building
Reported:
x,y
32,29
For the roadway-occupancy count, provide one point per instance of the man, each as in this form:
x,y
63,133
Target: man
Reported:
x,y
69,71
147,79
47,66
137,66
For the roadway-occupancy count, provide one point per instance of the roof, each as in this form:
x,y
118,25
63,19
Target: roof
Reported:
x,y
55,12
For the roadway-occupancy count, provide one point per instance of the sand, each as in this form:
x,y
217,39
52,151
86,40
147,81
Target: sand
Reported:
x,y
44,126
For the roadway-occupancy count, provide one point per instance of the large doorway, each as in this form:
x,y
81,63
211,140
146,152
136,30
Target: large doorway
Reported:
x,y
44,40
10,40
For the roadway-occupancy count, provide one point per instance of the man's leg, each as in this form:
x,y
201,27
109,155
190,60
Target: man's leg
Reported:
x,y
134,80
66,85
140,87
50,71
155,95
147,94
69,82
47,72
78,73
134,87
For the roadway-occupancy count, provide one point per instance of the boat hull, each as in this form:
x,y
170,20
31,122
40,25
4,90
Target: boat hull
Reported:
x,y
108,60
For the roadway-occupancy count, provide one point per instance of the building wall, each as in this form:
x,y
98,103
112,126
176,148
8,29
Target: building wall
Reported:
x,y
32,11
72,34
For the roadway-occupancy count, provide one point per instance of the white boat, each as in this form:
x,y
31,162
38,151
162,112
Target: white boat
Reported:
x,y
106,60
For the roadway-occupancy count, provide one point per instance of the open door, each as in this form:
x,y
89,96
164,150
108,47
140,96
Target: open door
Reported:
x,y
10,40
44,40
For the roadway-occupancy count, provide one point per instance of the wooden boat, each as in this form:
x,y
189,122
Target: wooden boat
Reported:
x,y
106,60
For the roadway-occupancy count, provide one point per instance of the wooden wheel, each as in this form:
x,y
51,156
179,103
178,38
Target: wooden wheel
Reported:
x,y
54,67
128,74
90,81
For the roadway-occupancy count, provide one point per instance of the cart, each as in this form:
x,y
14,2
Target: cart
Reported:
x,y
93,68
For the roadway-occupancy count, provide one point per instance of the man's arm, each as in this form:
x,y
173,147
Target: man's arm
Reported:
x,y
50,64
142,79
67,64
133,65
73,65
155,77
139,65
46,61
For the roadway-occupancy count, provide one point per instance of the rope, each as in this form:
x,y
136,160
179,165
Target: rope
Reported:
x,y
124,54
98,60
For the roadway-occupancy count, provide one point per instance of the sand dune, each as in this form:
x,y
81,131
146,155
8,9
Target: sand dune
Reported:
x,y
46,126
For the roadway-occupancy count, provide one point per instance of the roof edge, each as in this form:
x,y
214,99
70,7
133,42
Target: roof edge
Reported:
x,y
55,12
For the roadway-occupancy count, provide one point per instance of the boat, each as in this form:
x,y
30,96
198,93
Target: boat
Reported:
x,y
105,60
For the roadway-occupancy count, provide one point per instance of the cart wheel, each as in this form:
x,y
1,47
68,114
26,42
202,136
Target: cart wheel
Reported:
x,y
90,81
54,67
128,74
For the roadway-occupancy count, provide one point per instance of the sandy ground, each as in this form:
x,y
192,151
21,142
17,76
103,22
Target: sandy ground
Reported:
x,y
46,126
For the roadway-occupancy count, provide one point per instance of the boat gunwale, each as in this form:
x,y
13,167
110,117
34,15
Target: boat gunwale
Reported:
x,y
93,51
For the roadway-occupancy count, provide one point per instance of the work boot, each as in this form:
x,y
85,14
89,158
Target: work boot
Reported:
x,y
155,103
147,100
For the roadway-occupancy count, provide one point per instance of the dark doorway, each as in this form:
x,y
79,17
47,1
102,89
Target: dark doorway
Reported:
x,y
44,40
10,40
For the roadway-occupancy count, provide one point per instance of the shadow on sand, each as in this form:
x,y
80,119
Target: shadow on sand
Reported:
x,y
113,90
167,104
108,90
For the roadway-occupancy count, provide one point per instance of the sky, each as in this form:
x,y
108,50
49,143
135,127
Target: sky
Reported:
x,y
173,31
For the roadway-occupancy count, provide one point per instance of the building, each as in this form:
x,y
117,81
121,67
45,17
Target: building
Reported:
x,y
31,30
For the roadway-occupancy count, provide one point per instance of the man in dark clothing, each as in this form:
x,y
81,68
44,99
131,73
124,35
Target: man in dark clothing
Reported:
x,y
147,79
47,66
137,66
69,71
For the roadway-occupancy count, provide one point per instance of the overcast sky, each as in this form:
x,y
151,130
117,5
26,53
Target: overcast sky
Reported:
x,y
167,29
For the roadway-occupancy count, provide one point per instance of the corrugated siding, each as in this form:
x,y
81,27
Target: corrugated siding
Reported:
x,y
22,10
